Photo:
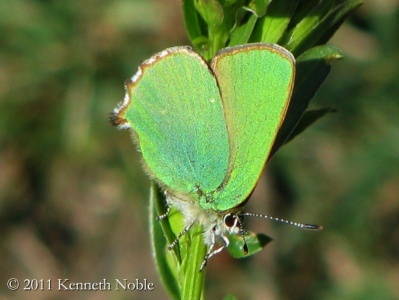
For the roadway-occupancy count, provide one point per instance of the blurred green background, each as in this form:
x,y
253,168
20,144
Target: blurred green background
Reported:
x,y
73,197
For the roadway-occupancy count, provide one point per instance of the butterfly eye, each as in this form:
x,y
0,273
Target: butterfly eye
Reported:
x,y
230,220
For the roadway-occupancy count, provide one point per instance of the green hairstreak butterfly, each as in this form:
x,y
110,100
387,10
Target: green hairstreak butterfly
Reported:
x,y
205,131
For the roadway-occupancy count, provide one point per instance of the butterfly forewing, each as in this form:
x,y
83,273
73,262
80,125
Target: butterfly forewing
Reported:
x,y
255,82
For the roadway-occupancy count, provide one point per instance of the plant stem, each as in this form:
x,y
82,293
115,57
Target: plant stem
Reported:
x,y
192,278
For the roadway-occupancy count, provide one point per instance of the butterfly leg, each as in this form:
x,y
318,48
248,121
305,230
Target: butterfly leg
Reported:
x,y
211,253
183,232
164,215
168,207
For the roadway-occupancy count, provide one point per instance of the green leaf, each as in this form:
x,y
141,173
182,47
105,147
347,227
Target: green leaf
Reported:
x,y
312,69
159,244
227,3
211,11
158,198
271,28
193,26
192,280
196,27
255,243
318,25
302,9
188,253
300,33
242,30
259,7
242,33
331,25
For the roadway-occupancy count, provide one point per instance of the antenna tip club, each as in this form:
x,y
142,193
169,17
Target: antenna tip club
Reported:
x,y
312,227
245,249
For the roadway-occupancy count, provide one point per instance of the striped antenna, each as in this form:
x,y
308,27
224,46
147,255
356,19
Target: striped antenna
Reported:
x,y
296,224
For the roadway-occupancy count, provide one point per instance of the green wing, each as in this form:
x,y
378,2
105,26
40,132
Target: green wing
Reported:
x,y
174,107
255,82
